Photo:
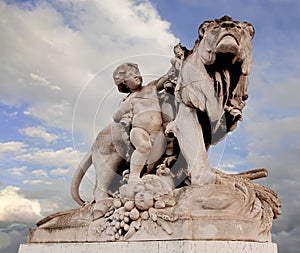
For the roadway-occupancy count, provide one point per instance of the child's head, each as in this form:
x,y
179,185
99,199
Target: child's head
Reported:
x,y
180,51
123,73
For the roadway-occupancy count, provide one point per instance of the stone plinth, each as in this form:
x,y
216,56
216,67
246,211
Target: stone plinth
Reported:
x,y
183,246
183,229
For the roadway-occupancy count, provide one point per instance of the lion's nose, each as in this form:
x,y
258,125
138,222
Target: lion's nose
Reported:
x,y
228,24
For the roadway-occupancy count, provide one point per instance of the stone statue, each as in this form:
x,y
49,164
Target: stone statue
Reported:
x,y
159,144
141,113
142,104
212,90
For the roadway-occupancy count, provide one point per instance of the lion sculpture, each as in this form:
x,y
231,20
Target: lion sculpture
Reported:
x,y
211,90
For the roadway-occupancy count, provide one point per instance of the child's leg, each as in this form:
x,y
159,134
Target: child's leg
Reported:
x,y
159,144
140,139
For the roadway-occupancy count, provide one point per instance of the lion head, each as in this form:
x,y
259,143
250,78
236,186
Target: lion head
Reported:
x,y
226,36
215,75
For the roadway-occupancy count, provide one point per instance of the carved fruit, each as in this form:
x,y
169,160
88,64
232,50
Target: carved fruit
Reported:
x,y
129,205
122,224
134,214
160,204
152,214
145,215
130,232
117,203
120,231
118,225
126,227
144,200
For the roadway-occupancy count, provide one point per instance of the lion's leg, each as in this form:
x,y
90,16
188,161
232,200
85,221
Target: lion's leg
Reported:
x,y
190,138
106,167
107,153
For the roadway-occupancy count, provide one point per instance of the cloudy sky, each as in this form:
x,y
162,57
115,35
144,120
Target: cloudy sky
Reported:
x,y
56,62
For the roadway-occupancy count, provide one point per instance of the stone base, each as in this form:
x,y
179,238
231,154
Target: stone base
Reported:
x,y
200,229
220,212
183,246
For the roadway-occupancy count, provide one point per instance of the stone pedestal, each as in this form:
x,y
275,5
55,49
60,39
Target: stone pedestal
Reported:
x,y
182,246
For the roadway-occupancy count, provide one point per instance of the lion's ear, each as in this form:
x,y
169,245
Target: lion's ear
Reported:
x,y
202,28
250,29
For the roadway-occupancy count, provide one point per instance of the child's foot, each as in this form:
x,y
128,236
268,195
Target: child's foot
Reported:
x,y
134,178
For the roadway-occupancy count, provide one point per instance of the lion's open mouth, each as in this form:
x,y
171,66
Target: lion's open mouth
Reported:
x,y
226,78
225,73
227,44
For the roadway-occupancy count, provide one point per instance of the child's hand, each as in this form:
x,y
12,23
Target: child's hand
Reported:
x,y
126,120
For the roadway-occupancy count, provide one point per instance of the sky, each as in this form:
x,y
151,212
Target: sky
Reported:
x,y
57,93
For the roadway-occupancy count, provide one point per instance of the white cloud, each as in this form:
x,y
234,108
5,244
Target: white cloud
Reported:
x,y
59,171
17,171
37,182
16,208
39,132
12,146
40,173
40,80
67,157
228,168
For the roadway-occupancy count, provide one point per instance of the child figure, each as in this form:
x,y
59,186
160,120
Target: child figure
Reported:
x,y
142,110
180,53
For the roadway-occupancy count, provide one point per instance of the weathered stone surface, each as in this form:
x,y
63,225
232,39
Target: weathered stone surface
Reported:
x,y
233,208
152,246
191,229
156,198
210,83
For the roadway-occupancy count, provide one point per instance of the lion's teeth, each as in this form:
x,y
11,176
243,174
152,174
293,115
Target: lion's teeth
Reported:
x,y
246,66
227,76
234,59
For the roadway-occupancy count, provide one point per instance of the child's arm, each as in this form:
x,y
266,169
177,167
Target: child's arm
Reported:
x,y
159,83
125,107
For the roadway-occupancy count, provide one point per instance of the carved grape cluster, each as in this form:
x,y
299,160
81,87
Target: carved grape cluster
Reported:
x,y
134,204
124,219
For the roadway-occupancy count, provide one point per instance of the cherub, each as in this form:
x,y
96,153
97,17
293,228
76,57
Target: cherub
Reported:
x,y
140,109
180,53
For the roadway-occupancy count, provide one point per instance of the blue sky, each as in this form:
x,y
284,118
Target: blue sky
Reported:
x,y
57,59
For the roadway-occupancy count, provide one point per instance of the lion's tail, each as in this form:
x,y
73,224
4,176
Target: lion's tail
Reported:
x,y
77,177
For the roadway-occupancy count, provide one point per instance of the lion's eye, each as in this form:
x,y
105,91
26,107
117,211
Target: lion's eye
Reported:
x,y
239,27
